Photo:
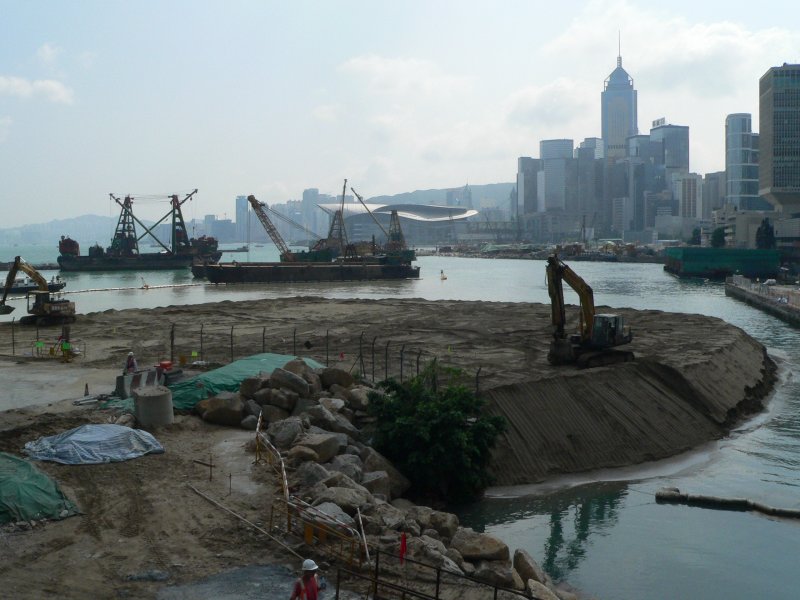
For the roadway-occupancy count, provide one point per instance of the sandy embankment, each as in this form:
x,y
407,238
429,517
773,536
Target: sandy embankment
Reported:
x,y
693,377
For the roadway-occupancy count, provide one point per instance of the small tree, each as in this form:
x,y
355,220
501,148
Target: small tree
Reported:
x,y
765,236
440,438
718,238
695,239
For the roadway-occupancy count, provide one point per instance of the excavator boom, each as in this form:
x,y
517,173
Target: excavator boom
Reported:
x,y
45,310
597,334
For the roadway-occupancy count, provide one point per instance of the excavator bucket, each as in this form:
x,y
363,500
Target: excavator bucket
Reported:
x,y
6,309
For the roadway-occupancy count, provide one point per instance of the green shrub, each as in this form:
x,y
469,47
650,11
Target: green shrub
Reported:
x,y
438,437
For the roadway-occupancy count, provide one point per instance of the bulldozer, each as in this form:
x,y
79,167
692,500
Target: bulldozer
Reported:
x,y
598,334
43,308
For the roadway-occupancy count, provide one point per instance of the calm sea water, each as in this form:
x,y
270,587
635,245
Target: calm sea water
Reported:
x,y
602,532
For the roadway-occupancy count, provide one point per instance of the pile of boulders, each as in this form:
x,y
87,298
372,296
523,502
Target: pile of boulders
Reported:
x,y
315,418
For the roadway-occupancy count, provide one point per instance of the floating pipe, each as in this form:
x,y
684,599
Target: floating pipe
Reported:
x,y
673,495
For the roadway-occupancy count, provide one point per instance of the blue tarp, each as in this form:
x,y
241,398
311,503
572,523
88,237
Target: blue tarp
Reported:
x,y
94,444
187,393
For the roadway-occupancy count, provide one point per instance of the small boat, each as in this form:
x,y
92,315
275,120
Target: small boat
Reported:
x,y
23,285
442,276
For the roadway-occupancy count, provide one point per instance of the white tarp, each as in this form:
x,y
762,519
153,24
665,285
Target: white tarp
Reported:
x,y
94,444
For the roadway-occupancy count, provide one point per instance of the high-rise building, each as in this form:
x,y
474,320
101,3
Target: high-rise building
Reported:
x,y
619,118
779,144
559,191
527,194
687,189
242,220
713,192
741,164
674,151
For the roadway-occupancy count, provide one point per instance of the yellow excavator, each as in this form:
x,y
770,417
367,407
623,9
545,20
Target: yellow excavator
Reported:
x,y
43,309
597,335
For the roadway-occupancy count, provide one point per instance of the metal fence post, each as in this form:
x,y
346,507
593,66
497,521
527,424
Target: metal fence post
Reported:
x,y
386,363
433,382
402,351
294,342
172,343
373,358
361,354
477,381
232,343
13,338
202,354
264,339
418,357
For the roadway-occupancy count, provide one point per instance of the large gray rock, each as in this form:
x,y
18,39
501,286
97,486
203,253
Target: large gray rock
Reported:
x,y
322,417
378,482
302,454
349,464
495,573
262,396
344,439
310,473
332,510
346,498
539,590
249,386
283,399
324,444
375,461
479,546
273,413
302,405
250,422
336,479
224,409
392,517
332,375
332,404
339,392
359,397
527,567
251,407
281,378
446,524
314,382
297,366
283,433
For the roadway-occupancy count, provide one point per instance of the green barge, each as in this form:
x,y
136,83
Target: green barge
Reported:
x,y
718,263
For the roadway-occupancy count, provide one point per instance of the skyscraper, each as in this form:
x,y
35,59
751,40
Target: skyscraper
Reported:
x,y
619,118
779,126
674,139
741,164
242,210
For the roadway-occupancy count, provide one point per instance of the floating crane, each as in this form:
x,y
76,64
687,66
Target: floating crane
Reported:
x,y
272,231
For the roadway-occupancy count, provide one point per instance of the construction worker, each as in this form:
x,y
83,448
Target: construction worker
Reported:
x,y
308,585
130,364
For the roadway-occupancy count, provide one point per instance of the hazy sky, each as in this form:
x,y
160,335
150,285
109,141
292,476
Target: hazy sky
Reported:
x,y
270,98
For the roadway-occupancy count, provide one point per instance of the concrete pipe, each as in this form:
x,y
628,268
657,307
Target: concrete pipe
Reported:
x,y
152,406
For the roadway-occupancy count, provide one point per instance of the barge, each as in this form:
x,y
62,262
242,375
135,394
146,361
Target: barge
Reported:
x,y
300,272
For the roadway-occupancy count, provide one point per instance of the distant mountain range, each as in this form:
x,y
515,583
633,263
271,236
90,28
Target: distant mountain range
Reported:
x,y
98,228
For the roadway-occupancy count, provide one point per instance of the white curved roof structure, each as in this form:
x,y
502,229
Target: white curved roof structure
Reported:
x,y
416,212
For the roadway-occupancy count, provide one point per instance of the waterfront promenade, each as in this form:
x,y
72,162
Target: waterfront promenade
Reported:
x,y
782,301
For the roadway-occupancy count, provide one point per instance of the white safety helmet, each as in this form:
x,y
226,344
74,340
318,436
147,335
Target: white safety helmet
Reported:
x,y
309,565
130,353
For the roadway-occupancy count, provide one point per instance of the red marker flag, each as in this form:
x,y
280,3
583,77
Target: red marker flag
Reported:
x,y
403,547
341,355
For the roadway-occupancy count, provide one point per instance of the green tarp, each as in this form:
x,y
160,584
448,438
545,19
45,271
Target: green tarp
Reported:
x,y
27,494
187,393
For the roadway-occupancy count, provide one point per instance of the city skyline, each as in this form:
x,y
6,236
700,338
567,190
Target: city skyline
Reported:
x,y
259,98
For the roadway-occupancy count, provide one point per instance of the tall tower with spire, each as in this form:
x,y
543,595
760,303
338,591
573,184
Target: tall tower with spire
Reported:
x,y
618,110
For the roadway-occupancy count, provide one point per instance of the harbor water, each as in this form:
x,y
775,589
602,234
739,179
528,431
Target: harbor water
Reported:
x,y
601,531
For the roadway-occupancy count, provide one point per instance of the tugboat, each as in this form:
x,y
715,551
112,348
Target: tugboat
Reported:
x,y
23,285
123,253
